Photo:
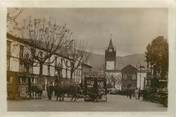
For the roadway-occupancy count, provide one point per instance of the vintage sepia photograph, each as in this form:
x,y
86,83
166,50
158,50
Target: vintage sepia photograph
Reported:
x,y
87,59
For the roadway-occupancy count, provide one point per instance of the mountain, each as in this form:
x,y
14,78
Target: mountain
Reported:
x,y
97,60
135,60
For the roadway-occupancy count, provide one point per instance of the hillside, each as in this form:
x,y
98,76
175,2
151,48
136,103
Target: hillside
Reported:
x,y
97,61
135,60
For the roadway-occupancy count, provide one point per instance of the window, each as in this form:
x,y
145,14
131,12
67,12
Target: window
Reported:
x,y
133,77
129,76
9,48
8,63
48,69
21,67
32,80
8,54
125,76
23,80
49,66
56,61
21,51
10,80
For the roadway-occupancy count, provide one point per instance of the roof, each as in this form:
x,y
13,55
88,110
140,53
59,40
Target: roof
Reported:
x,y
26,41
128,68
84,64
142,71
110,44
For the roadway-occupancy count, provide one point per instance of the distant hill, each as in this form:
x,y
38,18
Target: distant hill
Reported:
x,y
135,60
97,61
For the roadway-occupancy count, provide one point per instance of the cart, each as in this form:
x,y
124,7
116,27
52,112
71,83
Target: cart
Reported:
x,y
95,89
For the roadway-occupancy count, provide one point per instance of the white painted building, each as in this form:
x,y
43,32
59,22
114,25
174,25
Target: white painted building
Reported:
x,y
141,79
17,72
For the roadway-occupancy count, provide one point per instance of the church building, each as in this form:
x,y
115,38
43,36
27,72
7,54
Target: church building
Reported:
x,y
110,58
127,77
112,74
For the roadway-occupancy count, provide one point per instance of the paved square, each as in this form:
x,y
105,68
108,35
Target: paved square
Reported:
x,y
114,103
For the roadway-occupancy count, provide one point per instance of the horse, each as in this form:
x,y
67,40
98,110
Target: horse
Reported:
x,y
71,89
59,92
75,92
36,91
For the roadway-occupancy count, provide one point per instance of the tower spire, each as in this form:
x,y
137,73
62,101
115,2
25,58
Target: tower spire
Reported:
x,y
110,42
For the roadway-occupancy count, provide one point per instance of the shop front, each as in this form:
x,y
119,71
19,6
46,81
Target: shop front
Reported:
x,y
18,85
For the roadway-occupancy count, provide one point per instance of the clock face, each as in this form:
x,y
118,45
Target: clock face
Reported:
x,y
110,50
110,65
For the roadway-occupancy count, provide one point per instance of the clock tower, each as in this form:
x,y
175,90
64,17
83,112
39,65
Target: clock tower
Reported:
x,y
110,57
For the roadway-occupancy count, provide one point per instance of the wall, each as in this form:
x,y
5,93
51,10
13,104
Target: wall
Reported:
x,y
117,76
141,80
15,62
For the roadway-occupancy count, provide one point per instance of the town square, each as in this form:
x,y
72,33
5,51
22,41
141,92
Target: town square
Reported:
x,y
85,59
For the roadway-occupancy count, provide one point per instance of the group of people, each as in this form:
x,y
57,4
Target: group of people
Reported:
x,y
136,93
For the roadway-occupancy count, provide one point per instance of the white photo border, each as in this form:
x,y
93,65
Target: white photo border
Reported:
x,y
170,4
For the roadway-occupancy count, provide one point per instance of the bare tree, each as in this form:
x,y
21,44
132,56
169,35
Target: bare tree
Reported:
x,y
13,14
59,68
45,39
78,53
28,62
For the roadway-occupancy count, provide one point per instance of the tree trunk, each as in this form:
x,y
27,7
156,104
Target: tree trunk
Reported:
x,y
41,69
40,79
71,75
113,84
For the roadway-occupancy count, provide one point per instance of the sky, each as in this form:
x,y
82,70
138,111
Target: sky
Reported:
x,y
131,29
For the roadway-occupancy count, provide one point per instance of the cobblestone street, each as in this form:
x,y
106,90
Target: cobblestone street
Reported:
x,y
114,103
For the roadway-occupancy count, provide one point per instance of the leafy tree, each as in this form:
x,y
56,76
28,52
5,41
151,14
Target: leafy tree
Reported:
x,y
157,57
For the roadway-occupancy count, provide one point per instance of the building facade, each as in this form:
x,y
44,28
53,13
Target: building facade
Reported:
x,y
20,77
110,58
128,76
113,75
141,79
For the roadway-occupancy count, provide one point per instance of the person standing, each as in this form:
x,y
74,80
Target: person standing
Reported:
x,y
49,91
139,94
136,93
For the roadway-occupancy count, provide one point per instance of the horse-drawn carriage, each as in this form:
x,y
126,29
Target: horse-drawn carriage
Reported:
x,y
95,89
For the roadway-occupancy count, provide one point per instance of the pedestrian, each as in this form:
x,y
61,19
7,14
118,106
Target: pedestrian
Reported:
x,y
126,93
139,94
136,93
49,91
